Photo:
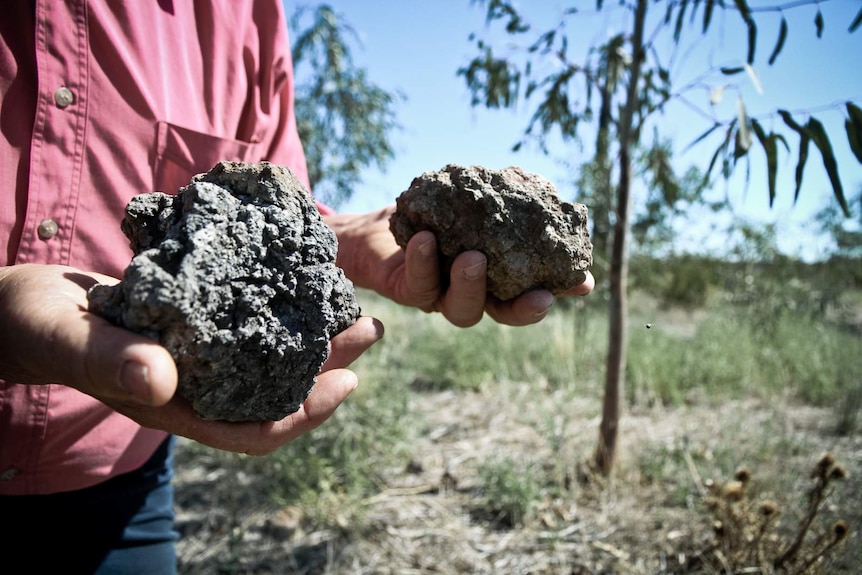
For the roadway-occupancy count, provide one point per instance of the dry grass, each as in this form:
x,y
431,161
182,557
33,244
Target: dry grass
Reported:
x,y
430,516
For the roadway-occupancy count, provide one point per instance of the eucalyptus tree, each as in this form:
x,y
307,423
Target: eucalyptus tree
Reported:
x,y
629,76
344,119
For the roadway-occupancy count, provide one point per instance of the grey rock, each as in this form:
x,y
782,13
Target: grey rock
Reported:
x,y
235,275
530,237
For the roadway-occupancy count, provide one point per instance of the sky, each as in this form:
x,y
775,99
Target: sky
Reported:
x,y
415,47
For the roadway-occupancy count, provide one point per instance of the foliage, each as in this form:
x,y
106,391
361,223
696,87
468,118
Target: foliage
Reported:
x,y
669,197
747,531
565,96
510,491
845,233
343,118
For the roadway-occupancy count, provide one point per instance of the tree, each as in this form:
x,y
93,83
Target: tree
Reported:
x,y
633,83
343,118
845,233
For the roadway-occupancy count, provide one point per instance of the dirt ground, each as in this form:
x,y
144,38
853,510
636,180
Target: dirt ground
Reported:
x,y
430,517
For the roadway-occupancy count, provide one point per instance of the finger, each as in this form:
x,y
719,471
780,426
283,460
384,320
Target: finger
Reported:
x,y
330,391
526,309
179,418
422,270
581,289
253,437
464,301
352,342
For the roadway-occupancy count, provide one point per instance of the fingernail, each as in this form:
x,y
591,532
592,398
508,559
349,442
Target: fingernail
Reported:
x,y
543,301
474,272
135,379
427,249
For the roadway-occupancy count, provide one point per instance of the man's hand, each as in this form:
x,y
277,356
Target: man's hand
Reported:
x,y
48,336
371,258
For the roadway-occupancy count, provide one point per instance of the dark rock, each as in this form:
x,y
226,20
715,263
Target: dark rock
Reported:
x,y
235,275
531,239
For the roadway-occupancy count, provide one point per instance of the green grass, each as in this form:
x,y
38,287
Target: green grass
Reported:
x,y
426,349
733,353
730,351
509,491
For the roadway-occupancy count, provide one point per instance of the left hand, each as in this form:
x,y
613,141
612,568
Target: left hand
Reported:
x,y
372,259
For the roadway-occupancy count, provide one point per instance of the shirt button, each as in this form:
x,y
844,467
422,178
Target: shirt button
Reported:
x,y
63,97
9,474
47,229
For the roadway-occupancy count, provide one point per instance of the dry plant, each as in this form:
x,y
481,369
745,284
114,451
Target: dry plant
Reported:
x,y
748,535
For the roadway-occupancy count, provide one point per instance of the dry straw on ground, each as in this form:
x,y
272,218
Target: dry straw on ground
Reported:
x,y
430,516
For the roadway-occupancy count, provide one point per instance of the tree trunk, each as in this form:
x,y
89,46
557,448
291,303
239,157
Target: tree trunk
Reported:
x,y
606,451
602,180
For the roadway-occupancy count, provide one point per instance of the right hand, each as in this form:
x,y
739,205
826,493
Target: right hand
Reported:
x,y
48,336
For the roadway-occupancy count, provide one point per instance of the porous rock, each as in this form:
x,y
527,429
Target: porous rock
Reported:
x,y
235,275
530,237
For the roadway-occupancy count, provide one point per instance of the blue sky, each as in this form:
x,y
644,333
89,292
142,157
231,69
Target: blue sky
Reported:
x,y
416,47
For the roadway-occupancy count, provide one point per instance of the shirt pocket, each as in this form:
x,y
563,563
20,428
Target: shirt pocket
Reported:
x,y
182,153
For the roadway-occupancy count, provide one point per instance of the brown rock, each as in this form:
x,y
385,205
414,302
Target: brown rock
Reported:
x,y
531,238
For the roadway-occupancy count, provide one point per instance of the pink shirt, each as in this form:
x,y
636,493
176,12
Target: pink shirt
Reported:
x,y
101,101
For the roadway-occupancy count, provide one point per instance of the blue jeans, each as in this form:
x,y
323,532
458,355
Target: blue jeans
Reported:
x,y
122,526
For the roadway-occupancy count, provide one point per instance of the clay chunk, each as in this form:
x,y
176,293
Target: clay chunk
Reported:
x,y
530,237
235,275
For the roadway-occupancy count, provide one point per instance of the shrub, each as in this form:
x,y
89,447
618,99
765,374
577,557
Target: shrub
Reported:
x,y
509,491
748,535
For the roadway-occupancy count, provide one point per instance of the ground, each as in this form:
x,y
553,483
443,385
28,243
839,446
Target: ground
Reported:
x,y
431,517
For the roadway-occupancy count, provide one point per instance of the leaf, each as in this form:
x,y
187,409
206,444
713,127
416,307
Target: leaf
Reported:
x,y
546,40
743,9
754,79
855,23
758,131
703,136
854,138
855,113
743,134
718,151
727,71
818,23
664,75
853,126
779,44
677,32
771,150
752,40
707,14
821,140
804,140
745,12
791,123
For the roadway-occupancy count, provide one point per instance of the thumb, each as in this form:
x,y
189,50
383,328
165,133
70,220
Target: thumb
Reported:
x,y
112,363
125,366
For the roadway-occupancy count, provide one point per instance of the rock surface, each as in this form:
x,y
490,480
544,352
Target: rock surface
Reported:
x,y
235,275
531,238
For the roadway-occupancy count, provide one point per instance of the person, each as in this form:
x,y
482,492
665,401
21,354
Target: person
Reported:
x,y
101,101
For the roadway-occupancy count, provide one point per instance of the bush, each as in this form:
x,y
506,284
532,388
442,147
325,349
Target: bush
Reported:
x,y
509,491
